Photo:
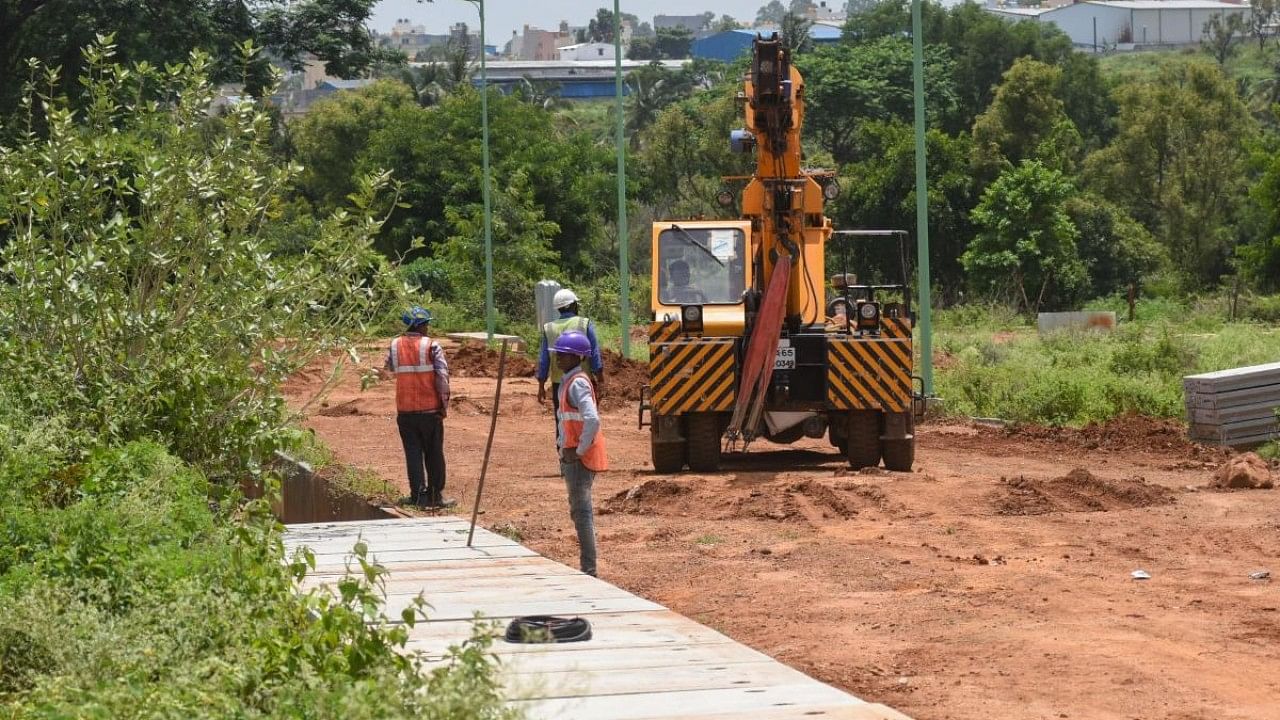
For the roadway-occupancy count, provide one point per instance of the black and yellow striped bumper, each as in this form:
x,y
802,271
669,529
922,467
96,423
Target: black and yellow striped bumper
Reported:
x,y
869,373
690,374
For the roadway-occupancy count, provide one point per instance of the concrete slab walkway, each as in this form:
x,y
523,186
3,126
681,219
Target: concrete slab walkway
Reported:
x,y
644,662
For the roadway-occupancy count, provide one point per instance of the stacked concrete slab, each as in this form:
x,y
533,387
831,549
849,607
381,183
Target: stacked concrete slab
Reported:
x,y
1234,407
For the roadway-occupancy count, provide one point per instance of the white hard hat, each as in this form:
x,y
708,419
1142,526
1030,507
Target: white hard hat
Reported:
x,y
563,299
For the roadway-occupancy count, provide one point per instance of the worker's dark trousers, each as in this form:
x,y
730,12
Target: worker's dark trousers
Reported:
x,y
423,437
555,410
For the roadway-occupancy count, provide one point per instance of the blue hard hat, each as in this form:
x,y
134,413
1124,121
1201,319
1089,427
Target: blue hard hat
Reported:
x,y
416,315
573,342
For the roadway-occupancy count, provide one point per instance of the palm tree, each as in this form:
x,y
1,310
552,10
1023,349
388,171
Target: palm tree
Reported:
x,y
447,68
652,88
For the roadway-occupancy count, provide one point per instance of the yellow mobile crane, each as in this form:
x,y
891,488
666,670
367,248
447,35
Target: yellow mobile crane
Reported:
x,y
743,343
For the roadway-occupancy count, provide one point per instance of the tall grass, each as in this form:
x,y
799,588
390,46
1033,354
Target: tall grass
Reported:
x,y
993,365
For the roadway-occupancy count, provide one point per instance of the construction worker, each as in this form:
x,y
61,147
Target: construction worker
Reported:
x,y
422,403
579,440
566,303
680,290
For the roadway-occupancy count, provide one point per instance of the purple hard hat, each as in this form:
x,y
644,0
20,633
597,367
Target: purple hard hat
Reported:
x,y
573,342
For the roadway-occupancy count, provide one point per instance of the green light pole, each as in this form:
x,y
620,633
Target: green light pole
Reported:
x,y
922,204
490,317
624,269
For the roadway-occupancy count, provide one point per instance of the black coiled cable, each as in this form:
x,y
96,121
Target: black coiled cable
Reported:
x,y
548,629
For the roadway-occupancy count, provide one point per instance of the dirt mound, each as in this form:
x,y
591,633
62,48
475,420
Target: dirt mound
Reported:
x,y
1243,471
1127,433
472,360
1077,491
623,379
648,498
809,501
826,497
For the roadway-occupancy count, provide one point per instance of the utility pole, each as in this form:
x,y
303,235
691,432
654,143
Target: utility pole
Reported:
x,y
624,266
922,204
490,316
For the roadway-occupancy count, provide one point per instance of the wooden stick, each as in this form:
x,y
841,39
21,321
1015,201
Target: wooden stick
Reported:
x,y
488,446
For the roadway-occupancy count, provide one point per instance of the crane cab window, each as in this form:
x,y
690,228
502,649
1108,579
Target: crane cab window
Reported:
x,y
701,266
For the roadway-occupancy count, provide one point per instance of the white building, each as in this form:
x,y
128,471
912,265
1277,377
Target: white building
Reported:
x,y
585,51
827,11
1098,24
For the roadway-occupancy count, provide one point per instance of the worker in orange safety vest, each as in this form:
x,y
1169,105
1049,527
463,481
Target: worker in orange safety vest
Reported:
x,y
422,404
579,440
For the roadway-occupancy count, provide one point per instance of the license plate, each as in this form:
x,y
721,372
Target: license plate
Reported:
x,y
785,357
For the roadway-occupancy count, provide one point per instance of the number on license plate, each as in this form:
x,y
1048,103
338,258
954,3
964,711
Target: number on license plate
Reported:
x,y
785,357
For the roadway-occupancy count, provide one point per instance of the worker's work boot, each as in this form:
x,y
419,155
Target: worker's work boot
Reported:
x,y
437,501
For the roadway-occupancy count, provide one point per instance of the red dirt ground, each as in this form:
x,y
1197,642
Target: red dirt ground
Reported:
x,y
991,583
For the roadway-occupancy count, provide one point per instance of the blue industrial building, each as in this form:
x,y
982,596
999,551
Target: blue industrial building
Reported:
x,y
730,44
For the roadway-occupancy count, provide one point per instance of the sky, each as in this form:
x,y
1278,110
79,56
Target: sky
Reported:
x,y
504,16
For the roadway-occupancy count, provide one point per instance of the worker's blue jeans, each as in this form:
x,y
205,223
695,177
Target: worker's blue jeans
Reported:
x,y
578,480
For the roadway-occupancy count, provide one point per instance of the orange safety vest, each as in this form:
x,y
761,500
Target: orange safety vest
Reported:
x,y
415,374
571,424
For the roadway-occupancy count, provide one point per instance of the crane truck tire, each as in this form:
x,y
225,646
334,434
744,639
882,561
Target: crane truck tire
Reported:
x,y
899,445
668,457
704,442
862,439
899,455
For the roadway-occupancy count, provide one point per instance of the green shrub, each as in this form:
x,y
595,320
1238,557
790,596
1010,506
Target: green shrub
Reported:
x,y
1074,378
148,321
144,296
137,600
427,275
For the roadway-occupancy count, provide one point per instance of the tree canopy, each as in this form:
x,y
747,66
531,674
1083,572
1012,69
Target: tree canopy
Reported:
x,y
54,31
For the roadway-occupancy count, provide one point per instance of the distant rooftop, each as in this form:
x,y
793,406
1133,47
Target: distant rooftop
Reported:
x,y
1173,4
1127,5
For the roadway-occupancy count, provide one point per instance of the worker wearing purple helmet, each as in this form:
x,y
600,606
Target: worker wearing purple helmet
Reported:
x,y
579,440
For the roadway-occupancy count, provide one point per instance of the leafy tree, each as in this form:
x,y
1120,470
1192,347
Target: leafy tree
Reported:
x,y
685,152
1116,250
642,48
329,141
800,7
879,191
1260,259
434,154
725,23
166,32
446,68
673,43
887,18
139,254
771,14
1026,243
847,84
1262,15
1220,33
600,28
1026,121
522,250
651,89
983,47
794,33
1178,163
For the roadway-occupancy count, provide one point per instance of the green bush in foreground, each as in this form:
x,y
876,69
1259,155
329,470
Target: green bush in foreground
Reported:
x,y
145,292
131,598
148,312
